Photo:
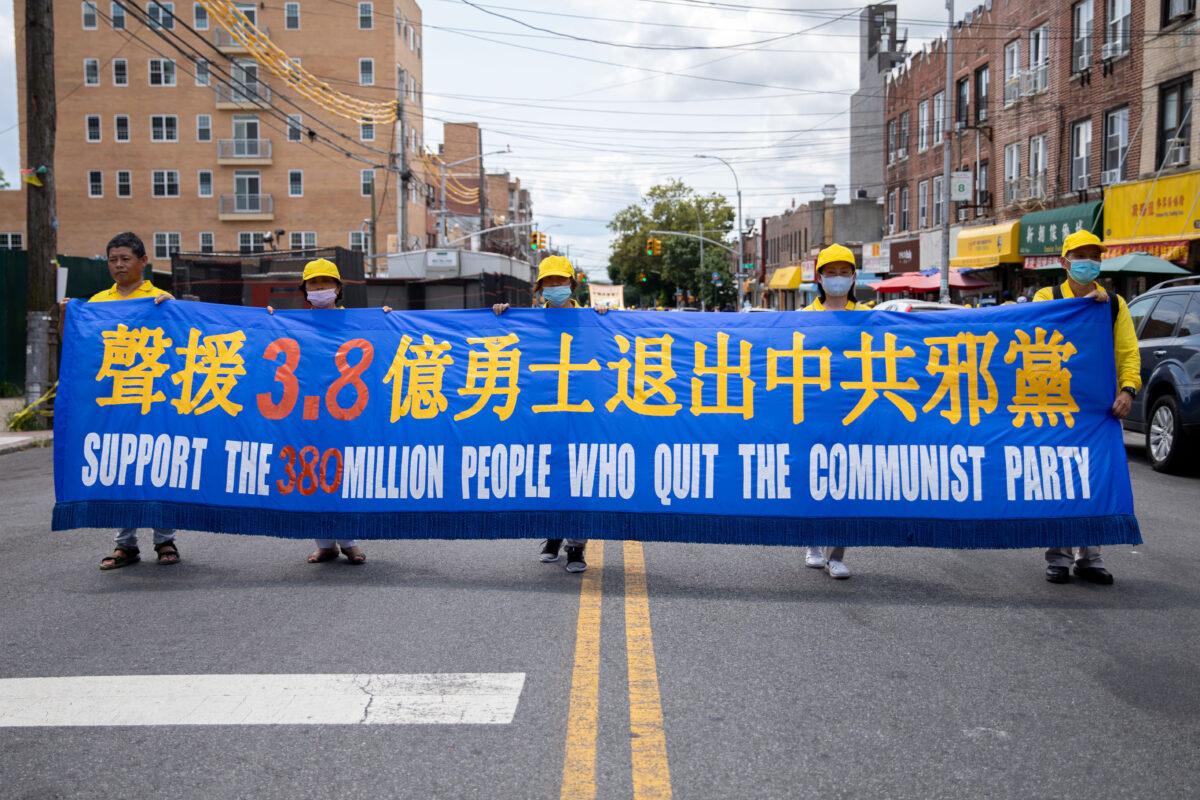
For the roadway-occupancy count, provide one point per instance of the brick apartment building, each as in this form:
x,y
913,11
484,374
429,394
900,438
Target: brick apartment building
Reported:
x,y
1055,104
213,155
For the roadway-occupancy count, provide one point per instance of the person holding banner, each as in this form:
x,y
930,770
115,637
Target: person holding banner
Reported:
x,y
127,266
556,284
1081,253
835,292
321,283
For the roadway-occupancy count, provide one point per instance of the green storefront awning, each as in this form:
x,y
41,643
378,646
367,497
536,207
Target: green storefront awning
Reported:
x,y
1042,232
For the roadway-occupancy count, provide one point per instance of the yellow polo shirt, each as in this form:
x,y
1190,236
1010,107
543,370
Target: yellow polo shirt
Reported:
x,y
1125,344
817,305
147,289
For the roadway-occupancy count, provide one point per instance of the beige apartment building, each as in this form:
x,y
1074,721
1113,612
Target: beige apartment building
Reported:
x,y
207,151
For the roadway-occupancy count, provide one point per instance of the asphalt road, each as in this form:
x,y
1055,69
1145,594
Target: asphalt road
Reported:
x,y
929,674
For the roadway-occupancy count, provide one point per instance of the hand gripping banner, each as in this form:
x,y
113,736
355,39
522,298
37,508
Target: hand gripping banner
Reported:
x,y
969,429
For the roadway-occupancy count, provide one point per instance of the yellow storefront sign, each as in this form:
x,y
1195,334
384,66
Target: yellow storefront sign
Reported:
x,y
1164,210
785,278
988,246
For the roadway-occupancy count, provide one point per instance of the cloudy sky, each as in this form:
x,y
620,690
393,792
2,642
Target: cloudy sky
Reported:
x,y
599,101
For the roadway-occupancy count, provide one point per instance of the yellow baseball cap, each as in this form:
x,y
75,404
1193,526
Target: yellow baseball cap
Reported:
x,y
1081,239
835,253
555,265
321,268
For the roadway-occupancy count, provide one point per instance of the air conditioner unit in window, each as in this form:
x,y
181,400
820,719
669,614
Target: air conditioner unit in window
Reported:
x,y
1080,183
1178,156
1082,62
902,153
1112,49
1110,176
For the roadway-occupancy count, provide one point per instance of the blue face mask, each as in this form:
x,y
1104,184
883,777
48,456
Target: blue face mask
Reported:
x,y
837,286
1085,270
556,295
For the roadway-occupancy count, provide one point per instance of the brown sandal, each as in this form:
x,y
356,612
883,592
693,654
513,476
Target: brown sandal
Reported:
x,y
355,555
323,554
167,557
123,556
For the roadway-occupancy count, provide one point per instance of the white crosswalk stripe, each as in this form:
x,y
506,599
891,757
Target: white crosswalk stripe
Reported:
x,y
473,698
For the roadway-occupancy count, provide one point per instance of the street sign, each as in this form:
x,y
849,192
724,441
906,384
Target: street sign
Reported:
x,y
442,263
960,186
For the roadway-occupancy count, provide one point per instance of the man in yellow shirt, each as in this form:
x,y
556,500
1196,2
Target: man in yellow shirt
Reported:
x,y
1081,254
127,264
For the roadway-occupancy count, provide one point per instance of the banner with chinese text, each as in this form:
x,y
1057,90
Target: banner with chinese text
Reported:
x,y
969,429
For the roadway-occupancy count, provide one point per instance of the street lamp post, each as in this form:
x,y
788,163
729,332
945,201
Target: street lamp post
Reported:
x,y
741,235
442,168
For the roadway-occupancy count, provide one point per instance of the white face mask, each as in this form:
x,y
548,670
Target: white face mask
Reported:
x,y
322,298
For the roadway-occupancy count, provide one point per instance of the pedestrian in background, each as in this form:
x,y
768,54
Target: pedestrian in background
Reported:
x,y
1081,253
836,274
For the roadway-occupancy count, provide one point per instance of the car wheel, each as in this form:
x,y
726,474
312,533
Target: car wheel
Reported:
x,y
1164,435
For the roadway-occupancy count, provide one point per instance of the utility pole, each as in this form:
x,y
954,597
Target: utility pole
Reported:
x,y
372,243
949,95
402,226
40,214
700,213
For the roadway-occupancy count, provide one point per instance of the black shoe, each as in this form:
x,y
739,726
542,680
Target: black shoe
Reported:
x,y
550,550
1094,575
1058,574
575,562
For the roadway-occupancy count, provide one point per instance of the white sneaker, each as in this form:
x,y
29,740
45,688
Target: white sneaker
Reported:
x,y
814,558
837,570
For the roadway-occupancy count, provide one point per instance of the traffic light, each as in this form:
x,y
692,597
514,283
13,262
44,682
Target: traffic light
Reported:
x,y
581,276
534,240
543,241
657,247
642,277
653,246
649,247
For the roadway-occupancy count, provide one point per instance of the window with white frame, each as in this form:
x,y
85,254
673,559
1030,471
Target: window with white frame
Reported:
x,y
207,242
164,128
304,240
1081,35
121,128
891,144
202,76
1116,141
124,183
90,18
162,72
164,183
95,183
199,17
203,128
981,189
923,204
366,72
366,182
92,127
1037,166
12,241
904,199
1012,72
165,244
939,204
116,13
295,128
204,186
366,16
296,183
1039,57
120,72
1118,29
939,117
91,72
251,242
891,217
162,15
923,126
358,241
366,131
291,16
1081,146
902,142
1012,172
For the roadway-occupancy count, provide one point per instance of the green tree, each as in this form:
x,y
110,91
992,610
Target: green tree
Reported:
x,y
673,206
3,181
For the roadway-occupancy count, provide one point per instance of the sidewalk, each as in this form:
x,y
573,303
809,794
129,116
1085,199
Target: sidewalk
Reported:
x,y
13,441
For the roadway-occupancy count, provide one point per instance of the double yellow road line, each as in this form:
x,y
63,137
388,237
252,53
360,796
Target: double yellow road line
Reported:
x,y
648,742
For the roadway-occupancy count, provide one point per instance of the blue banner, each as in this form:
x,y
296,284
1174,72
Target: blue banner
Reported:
x,y
970,429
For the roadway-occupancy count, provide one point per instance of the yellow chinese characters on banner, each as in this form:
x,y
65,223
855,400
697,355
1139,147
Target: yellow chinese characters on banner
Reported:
x,y
1168,208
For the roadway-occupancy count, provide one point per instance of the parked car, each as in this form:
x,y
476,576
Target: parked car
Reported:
x,y
910,305
1167,409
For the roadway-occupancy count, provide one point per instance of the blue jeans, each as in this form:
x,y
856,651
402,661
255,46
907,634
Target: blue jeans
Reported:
x,y
127,537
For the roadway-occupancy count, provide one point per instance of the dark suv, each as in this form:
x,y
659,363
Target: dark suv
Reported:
x,y
1167,409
